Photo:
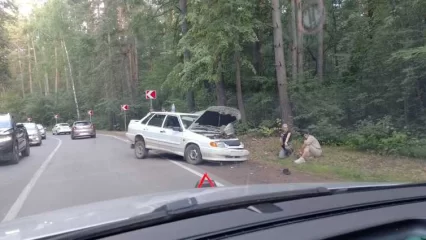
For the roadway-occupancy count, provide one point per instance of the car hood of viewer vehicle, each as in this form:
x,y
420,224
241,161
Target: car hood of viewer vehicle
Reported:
x,y
94,214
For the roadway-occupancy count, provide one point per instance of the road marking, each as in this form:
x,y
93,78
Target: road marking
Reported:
x,y
17,205
174,162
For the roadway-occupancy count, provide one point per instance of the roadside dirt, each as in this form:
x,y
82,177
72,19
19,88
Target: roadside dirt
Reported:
x,y
254,171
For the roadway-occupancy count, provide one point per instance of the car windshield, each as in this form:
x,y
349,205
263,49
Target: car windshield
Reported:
x,y
187,120
282,91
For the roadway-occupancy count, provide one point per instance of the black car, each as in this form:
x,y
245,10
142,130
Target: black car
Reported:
x,y
13,139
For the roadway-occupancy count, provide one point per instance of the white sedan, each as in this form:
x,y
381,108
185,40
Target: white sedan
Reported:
x,y
208,135
61,128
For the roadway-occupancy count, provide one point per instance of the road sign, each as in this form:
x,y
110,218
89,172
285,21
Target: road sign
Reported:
x,y
205,181
151,94
90,112
29,119
56,116
125,107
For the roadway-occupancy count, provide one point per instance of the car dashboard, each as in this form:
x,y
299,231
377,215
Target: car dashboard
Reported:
x,y
398,213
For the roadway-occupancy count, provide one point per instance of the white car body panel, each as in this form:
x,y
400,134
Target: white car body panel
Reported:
x,y
172,141
59,129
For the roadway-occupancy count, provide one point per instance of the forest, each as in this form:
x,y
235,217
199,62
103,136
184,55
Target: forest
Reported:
x,y
353,72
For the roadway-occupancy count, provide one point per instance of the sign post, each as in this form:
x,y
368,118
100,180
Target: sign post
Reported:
x,y
90,112
150,94
125,108
56,118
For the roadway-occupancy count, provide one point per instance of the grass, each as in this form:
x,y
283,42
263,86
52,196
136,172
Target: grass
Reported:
x,y
341,163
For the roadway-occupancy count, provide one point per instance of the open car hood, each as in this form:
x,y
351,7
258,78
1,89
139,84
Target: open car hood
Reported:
x,y
217,116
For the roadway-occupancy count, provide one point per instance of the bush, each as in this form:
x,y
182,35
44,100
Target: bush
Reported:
x,y
328,134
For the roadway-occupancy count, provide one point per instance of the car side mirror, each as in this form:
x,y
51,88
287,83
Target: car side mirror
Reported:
x,y
177,129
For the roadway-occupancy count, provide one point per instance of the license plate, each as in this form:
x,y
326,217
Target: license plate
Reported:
x,y
84,133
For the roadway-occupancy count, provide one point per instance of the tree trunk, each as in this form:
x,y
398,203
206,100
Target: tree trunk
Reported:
x,y
21,74
29,66
36,66
220,87
280,64
56,70
294,47
299,38
186,55
239,90
320,59
72,81
136,68
46,76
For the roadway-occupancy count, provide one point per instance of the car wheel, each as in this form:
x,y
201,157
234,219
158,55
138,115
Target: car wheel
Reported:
x,y
140,149
15,154
39,144
26,152
93,136
72,137
193,154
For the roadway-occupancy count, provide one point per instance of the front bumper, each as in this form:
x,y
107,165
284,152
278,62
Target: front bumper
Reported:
x,y
224,154
6,150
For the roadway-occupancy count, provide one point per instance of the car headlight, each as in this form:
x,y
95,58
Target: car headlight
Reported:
x,y
5,138
217,144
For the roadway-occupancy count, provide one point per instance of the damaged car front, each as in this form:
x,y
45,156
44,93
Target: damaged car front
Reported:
x,y
215,128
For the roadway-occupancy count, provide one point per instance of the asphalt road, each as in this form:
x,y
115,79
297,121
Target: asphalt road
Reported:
x,y
63,173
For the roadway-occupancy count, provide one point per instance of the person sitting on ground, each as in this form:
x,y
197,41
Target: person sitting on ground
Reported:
x,y
286,148
310,148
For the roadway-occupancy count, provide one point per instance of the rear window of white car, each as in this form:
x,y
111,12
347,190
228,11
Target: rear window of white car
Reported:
x,y
64,125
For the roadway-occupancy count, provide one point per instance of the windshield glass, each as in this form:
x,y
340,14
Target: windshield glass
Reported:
x,y
283,91
187,120
82,123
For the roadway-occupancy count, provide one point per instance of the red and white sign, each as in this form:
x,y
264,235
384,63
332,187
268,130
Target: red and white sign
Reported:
x,y
29,119
151,94
90,112
56,116
125,107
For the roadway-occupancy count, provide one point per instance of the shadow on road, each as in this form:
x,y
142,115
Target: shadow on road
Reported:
x,y
168,156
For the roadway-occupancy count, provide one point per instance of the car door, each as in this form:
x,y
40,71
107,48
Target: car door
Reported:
x,y
173,134
21,137
54,128
154,131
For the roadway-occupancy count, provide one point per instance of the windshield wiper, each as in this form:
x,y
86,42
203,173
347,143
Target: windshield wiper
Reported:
x,y
188,208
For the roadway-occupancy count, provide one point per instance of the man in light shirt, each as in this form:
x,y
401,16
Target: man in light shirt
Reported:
x,y
311,148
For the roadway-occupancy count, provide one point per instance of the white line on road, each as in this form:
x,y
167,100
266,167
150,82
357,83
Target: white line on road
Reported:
x,y
17,205
174,162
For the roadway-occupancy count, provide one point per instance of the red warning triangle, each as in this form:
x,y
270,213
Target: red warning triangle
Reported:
x,y
203,179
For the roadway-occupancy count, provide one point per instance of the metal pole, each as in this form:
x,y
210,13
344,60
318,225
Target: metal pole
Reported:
x,y
125,121
150,104
90,117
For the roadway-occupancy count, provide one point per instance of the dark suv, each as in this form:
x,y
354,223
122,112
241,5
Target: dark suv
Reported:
x,y
13,139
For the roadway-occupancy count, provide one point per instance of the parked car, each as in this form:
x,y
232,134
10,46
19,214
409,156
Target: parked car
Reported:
x,y
34,133
208,135
13,139
42,130
61,128
83,129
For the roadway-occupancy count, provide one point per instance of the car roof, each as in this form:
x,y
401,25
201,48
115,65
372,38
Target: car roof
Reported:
x,y
176,113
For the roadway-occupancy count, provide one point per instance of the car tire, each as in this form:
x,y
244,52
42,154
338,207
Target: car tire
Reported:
x,y
72,137
26,151
93,136
193,154
140,150
15,154
39,144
